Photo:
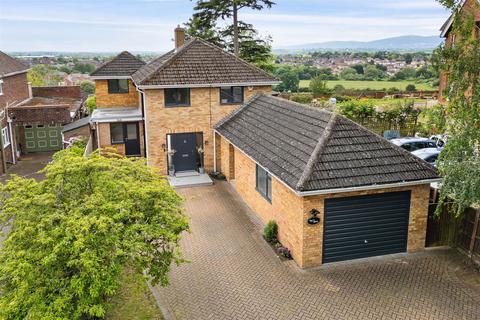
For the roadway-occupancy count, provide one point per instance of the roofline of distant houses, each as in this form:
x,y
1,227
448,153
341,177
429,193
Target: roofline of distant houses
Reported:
x,y
337,190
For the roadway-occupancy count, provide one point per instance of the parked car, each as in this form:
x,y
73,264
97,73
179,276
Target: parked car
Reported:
x,y
440,140
430,155
413,144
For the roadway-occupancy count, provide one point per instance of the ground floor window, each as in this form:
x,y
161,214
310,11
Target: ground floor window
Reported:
x,y
264,183
5,137
116,133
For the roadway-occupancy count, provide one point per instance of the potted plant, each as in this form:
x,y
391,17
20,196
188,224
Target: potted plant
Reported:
x,y
171,166
201,152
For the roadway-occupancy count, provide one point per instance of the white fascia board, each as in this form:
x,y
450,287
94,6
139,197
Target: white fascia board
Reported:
x,y
111,78
213,85
369,187
339,190
112,120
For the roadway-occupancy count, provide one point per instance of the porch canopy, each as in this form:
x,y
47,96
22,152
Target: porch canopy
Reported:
x,y
117,115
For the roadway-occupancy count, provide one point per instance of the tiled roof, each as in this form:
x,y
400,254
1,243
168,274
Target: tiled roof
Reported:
x,y
10,65
123,65
197,63
311,149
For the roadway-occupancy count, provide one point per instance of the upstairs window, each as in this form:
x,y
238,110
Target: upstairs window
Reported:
x,y
1,87
118,86
177,97
264,183
231,95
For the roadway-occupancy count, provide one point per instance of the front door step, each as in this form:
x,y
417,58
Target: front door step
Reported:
x,y
183,174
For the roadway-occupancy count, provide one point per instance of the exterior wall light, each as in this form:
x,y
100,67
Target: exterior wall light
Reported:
x,y
314,219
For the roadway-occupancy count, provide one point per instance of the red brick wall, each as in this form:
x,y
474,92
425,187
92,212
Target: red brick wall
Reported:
x,y
15,88
57,92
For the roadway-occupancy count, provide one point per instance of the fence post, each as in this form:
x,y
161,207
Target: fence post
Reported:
x,y
474,232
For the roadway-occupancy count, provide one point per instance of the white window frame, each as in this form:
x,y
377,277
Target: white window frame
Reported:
x,y
1,87
6,137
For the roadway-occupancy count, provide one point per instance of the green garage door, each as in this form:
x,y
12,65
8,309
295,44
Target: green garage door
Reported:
x,y
40,138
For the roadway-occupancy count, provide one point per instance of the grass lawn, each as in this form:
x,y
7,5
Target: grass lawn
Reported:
x,y
375,85
134,301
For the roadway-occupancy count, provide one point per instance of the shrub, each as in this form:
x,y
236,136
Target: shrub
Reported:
x,y
411,88
91,104
284,252
302,98
319,87
270,231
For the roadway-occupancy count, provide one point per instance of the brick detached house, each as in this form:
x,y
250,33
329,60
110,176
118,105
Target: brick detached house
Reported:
x,y
31,118
337,191
166,110
468,7
14,90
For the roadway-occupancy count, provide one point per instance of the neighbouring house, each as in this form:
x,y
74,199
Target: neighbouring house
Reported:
x,y
166,110
79,129
14,90
337,190
32,118
467,7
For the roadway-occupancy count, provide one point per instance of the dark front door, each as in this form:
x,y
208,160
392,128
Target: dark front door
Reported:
x,y
132,139
185,157
365,226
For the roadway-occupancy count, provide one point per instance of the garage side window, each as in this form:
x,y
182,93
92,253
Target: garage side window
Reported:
x,y
118,86
116,133
264,183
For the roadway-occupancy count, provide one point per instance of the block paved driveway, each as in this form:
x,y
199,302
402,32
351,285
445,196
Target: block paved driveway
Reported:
x,y
27,167
234,274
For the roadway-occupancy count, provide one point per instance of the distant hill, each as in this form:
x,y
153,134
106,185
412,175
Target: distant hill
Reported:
x,y
403,43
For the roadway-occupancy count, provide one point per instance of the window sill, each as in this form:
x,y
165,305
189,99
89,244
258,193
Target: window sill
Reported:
x,y
6,145
118,92
231,103
116,143
264,196
177,106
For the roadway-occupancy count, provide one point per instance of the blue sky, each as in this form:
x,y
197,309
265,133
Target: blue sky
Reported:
x,y
147,25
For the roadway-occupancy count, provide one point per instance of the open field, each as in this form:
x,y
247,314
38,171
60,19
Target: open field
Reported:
x,y
375,85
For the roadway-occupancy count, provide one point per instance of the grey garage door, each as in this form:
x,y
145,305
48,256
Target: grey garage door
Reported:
x,y
365,226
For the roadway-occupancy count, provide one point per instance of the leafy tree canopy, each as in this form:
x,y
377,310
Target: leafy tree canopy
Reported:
x,y
87,87
73,233
211,22
459,163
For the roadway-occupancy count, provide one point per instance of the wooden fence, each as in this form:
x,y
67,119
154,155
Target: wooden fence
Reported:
x,y
446,229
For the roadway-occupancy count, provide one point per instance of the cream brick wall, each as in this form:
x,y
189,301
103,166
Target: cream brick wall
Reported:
x,y
203,113
105,141
116,100
285,209
292,211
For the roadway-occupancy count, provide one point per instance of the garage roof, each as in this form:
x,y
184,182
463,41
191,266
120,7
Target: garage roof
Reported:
x,y
310,149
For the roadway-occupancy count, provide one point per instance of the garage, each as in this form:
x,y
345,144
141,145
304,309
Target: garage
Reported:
x,y
365,226
40,138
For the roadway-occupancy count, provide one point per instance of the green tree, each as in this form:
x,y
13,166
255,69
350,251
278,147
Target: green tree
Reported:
x,y
318,86
459,162
83,68
410,88
233,35
290,80
349,74
87,87
408,58
73,234
373,73
42,75
91,104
